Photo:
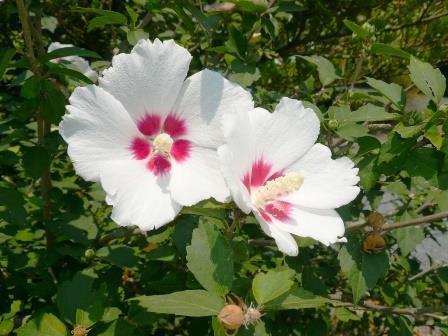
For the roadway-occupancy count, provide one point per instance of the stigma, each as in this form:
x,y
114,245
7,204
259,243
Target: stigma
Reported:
x,y
163,143
276,188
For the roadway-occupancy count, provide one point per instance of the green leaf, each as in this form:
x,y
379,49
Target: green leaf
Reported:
x,y
6,327
345,315
210,259
270,285
423,162
251,5
435,135
408,238
428,79
388,50
326,70
207,22
132,14
36,161
12,208
357,29
45,324
393,92
135,35
408,131
370,112
101,21
367,144
52,102
68,51
374,267
350,131
186,303
60,69
363,270
367,174
79,294
236,43
297,298
119,255
6,55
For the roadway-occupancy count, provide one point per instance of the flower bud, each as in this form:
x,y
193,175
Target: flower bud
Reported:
x,y
80,330
89,253
375,220
333,124
231,316
373,243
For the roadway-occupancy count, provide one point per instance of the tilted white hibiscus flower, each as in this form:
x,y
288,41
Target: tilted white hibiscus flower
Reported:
x,y
75,62
148,136
274,169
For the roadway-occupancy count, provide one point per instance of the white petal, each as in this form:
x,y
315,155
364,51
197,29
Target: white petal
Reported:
x,y
285,242
198,178
57,45
148,80
293,131
325,226
77,63
280,137
204,99
136,196
229,168
328,183
97,129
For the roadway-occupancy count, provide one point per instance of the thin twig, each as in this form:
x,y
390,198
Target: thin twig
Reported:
x,y
371,306
411,222
429,270
24,19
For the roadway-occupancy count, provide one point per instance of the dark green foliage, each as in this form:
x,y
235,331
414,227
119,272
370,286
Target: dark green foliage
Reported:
x,y
375,73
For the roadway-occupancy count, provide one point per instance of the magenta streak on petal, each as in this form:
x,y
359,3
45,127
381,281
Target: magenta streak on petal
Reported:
x,y
149,125
174,126
140,148
275,175
265,216
246,181
181,150
159,165
260,172
280,210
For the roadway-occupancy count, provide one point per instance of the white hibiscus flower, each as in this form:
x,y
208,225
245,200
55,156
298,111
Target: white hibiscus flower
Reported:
x,y
75,62
274,169
148,136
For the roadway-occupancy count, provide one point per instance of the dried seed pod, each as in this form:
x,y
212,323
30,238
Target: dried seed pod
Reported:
x,y
373,243
231,316
80,330
375,220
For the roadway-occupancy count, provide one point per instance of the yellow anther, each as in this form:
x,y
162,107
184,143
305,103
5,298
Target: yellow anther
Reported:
x,y
275,188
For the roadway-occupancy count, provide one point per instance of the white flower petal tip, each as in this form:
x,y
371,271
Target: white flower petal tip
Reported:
x,y
149,136
75,62
274,168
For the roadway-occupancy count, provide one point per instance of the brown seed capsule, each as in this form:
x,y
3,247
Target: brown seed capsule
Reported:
x,y
373,243
80,330
375,220
231,316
